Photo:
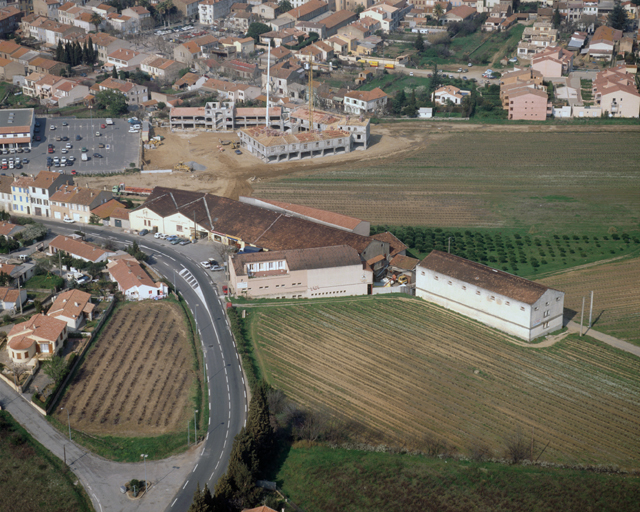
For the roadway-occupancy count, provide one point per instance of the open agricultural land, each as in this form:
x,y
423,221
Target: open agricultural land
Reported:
x,y
403,368
616,305
315,478
565,180
136,381
32,479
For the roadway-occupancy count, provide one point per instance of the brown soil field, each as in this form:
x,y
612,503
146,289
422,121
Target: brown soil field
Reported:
x,y
436,174
616,302
404,369
136,379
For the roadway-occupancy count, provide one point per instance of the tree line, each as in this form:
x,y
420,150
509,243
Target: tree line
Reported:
x,y
74,54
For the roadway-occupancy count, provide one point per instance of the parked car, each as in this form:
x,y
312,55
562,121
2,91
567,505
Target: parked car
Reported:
x,y
225,289
68,146
216,267
97,134
97,155
65,124
205,264
78,137
64,150
103,126
69,220
175,241
71,158
38,138
74,172
158,235
65,139
144,232
184,242
238,152
52,127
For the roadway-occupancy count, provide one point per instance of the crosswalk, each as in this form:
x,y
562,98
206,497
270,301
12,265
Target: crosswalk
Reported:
x,y
188,277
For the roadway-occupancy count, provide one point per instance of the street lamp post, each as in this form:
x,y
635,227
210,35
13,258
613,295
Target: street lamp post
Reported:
x,y
68,420
196,315
195,427
146,482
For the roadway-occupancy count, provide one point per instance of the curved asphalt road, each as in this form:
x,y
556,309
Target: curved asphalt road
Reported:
x,y
227,393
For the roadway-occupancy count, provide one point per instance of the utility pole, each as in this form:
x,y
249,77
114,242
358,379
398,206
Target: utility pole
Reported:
x,y
19,298
581,316
533,429
449,248
64,449
591,309
195,427
188,433
268,77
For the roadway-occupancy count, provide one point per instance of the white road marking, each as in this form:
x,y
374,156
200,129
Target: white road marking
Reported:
x,y
185,485
211,476
202,452
194,469
174,502
207,366
209,420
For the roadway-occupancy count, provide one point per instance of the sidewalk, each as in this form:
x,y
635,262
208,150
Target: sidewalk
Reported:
x,y
102,478
605,338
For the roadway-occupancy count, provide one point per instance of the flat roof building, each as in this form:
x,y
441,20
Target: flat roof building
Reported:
x,y
16,128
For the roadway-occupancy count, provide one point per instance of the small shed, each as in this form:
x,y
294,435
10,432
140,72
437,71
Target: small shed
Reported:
x,y
425,113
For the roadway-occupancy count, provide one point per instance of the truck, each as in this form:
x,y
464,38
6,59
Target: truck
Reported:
x,y
84,157
109,121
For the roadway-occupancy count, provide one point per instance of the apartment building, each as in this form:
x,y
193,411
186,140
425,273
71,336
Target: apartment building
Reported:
x,y
72,202
32,196
135,94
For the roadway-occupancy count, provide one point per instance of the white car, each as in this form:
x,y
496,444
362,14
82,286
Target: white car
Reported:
x,y
69,145
63,160
205,264
52,127
131,130
97,134
158,235
68,220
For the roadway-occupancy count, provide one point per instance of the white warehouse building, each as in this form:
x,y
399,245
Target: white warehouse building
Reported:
x,y
498,299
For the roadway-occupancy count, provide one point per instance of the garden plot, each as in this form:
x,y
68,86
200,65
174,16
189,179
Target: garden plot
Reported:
x,y
405,368
136,379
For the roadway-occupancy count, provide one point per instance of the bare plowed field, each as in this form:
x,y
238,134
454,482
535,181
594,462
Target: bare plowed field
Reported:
x,y
135,380
616,303
406,368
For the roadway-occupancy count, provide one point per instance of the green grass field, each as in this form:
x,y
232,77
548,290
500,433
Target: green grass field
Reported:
x,y
402,368
316,478
43,281
32,479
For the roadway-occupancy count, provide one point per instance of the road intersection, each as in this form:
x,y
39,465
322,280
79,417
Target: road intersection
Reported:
x,y
175,478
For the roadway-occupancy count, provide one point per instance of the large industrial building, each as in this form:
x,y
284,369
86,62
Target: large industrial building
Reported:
x,y
506,302
334,271
16,128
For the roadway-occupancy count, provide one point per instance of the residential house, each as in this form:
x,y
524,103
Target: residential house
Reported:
x,y
125,58
48,66
282,75
312,26
449,93
68,92
189,82
40,337
300,273
104,9
194,49
31,196
340,46
240,21
492,24
123,24
522,75
140,14
387,15
211,10
163,70
241,7
76,203
603,43
9,69
336,21
239,69
281,23
361,102
459,14
578,40
120,218
536,38
188,8
135,94
6,197
105,44
73,307
80,17
12,298
353,5
307,11
553,62
104,210
241,45
134,282
286,36
50,31
18,274
79,250
10,17
615,92
46,8
277,54
512,304
268,10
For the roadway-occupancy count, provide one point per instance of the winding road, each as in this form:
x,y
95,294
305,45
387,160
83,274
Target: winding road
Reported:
x,y
175,478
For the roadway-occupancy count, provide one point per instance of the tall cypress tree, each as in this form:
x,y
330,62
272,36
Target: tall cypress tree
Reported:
x,y
93,53
68,55
259,424
77,53
59,52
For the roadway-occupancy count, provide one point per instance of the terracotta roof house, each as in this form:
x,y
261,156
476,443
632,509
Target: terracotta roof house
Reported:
x,y
448,93
12,298
299,273
360,102
41,337
105,210
73,307
120,218
503,301
73,202
553,62
615,91
308,10
7,229
603,42
134,282
78,249
459,14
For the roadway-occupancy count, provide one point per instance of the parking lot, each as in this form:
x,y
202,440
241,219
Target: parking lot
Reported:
x,y
121,148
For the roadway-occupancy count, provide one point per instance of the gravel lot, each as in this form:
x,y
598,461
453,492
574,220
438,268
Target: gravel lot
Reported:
x,y
123,146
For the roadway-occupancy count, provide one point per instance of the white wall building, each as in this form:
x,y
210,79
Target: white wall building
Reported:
x,y
506,302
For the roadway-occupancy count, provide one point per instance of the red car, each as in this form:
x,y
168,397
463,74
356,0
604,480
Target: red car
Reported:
x,y
50,150
225,289
5,167
74,172
103,126
37,137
